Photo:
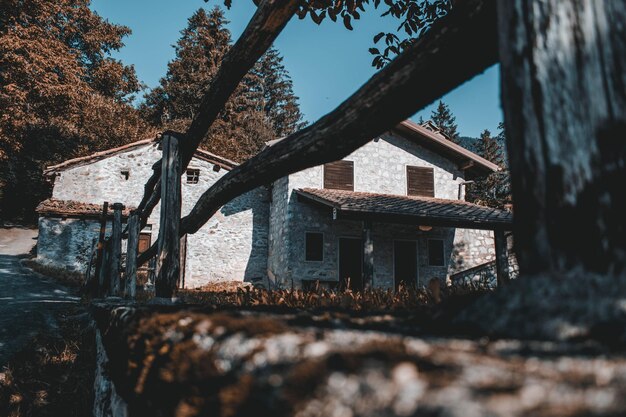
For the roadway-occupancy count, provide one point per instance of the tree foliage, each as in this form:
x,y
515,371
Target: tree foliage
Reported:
x,y
443,118
415,16
262,108
61,94
495,189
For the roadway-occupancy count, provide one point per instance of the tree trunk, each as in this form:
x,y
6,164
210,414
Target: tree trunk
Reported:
x,y
132,247
116,249
168,261
563,67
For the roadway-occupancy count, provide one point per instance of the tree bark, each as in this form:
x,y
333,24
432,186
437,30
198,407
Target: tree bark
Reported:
x,y
168,261
563,66
132,247
410,82
116,249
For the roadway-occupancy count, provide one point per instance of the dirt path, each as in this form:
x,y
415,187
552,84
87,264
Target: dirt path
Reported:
x,y
28,301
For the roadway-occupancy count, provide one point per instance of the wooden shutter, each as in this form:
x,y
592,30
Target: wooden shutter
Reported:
x,y
144,242
339,175
420,181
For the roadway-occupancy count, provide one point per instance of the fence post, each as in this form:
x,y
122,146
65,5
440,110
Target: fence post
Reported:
x,y
103,277
132,248
95,287
168,258
116,249
502,257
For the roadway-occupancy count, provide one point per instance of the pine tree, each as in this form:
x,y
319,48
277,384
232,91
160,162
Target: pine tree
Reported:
x,y
493,190
442,118
61,94
262,108
279,102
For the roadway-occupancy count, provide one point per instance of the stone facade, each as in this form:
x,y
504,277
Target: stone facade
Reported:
x,y
231,246
261,234
379,167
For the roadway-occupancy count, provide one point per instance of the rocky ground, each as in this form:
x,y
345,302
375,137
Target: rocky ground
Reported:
x,y
180,361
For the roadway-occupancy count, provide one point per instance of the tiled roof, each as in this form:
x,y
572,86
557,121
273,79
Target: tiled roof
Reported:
x,y
83,160
69,208
439,143
409,209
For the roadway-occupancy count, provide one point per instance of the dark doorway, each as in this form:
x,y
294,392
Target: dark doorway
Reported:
x,y
351,263
405,263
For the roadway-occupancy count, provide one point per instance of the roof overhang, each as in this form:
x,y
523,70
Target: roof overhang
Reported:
x,y
468,161
89,159
420,211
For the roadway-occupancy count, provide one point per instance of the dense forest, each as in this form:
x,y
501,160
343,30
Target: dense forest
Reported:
x,y
63,95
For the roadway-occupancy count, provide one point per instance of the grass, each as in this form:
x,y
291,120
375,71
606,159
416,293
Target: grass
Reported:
x,y
54,375
375,300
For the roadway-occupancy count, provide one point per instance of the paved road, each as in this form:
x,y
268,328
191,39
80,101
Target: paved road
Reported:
x,y
28,301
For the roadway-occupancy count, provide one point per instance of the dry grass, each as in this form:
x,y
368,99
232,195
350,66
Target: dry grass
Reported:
x,y
53,376
405,298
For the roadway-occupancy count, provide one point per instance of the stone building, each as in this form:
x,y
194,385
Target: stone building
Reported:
x,y
392,211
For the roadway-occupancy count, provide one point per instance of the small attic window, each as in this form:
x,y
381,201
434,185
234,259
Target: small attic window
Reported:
x,y
125,174
193,176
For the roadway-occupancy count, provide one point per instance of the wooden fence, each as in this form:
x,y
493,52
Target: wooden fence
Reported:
x,y
474,35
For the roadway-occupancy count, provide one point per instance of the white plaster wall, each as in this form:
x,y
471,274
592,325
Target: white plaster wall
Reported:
x,y
231,246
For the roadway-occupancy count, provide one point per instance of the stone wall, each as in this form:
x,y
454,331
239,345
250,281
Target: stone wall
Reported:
x,y
66,243
379,167
233,245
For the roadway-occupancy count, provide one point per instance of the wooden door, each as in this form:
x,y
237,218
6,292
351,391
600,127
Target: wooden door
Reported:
x,y
351,263
405,263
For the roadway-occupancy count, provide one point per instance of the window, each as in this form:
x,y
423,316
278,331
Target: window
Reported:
x,y
125,174
435,252
193,176
420,181
314,247
339,175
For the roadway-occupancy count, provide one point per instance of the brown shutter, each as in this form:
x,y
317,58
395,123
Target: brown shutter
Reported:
x,y
339,175
420,181
144,242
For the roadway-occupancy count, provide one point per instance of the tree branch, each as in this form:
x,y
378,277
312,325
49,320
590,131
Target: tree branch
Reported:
x,y
266,24
434,65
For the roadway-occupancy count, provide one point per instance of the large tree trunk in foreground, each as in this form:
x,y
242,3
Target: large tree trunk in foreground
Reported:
x,y
564,96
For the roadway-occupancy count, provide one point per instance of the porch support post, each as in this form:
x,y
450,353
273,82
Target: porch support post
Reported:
x,y
368,255
116,249
168,257
502,257
131,254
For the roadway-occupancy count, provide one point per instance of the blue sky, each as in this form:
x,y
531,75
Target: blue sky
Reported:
x,y
327,63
